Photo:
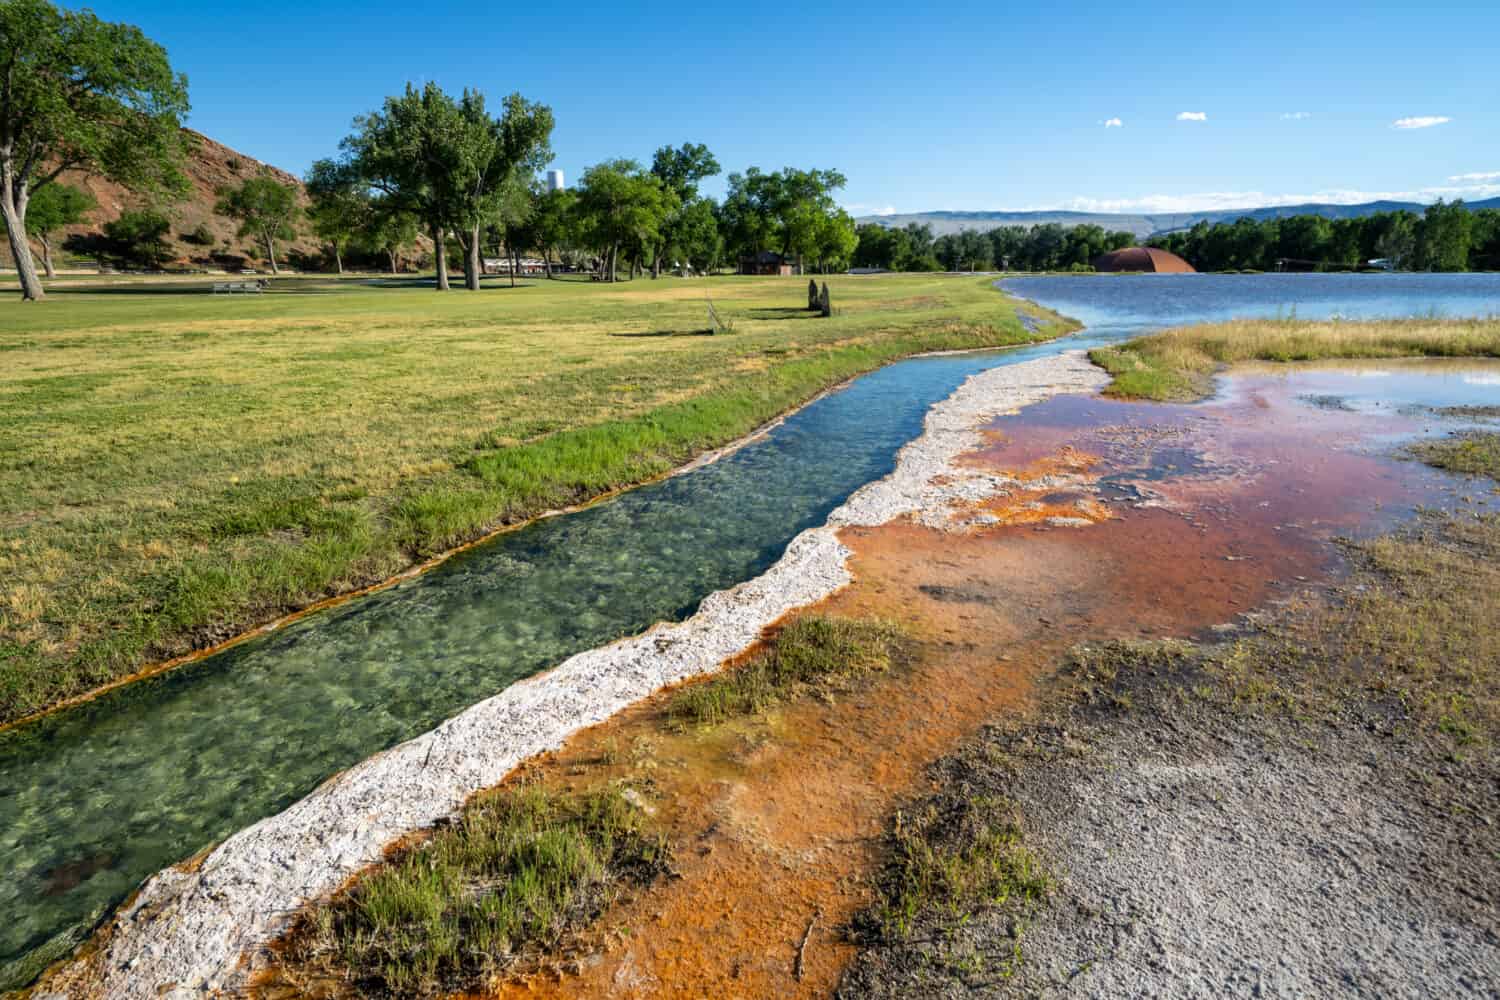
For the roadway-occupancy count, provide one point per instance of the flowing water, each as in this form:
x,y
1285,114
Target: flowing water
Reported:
x,y
95,799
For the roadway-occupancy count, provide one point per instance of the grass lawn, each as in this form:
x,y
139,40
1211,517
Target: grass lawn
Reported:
x,y
176,466
1178,364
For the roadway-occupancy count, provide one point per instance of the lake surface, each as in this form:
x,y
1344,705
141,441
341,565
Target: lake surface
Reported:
x,y
95,799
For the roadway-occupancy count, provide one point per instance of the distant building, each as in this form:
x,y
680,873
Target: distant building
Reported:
x,y
1147,260
766,262
555,180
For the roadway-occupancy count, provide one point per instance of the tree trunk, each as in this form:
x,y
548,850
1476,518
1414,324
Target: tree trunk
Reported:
x,y
515,264
20,250
614,263
547,261
47,256
473,261
391,253
655,266
338,260
271,253
440,256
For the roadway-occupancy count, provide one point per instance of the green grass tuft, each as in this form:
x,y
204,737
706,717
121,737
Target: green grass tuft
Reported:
x,y
951,859
1474,453
812,654
519,870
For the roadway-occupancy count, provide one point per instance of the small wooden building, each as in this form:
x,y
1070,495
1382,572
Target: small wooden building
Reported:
x,y
766,262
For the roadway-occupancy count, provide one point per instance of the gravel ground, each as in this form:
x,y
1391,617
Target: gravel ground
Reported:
x,y
1201,851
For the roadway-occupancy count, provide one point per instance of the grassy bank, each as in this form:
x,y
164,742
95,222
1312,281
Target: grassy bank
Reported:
x,y
1178,364
1474,453
509,879
178,467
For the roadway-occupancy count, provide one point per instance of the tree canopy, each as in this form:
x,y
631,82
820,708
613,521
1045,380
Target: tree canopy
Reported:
x,y
339,208
764,211
450,163
620,205
81,94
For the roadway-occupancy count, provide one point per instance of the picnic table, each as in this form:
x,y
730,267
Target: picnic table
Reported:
x,y
248,287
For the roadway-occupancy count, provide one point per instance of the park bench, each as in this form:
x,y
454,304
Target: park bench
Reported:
x,y
230,287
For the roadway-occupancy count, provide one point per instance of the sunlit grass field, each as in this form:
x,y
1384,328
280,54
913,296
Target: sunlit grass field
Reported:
x,y
177,466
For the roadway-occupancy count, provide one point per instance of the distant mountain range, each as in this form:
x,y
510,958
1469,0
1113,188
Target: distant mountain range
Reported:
x,y
1143,225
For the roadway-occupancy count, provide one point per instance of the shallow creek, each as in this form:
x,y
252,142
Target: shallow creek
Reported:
x,y
94,799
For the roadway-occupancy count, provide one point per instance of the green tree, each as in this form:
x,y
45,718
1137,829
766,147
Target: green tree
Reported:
x,y
525,147
389,229
1443,237
409,151
53,207
622,206
778,209
266,210
139,237
1395,238
1484,247
1305,238
340,205
680,171
554,223
835,240
81,94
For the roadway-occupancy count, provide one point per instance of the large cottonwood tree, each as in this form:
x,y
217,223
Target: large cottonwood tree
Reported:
x,y
409,151
79,93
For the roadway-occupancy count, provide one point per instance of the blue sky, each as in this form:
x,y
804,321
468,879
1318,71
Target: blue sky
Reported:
x,y
951,107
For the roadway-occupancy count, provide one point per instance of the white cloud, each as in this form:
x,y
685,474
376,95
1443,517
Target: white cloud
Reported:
x,y
1421,121
1112,123
863,210
1295,116
1192,116
1210,201
1492,175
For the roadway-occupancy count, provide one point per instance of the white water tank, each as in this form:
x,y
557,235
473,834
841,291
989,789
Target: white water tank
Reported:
x,y
555,180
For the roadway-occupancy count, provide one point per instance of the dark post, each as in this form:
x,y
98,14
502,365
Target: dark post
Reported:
x,y
823,303
813,303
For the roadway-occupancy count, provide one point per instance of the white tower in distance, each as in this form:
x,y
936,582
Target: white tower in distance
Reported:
x,y
555,180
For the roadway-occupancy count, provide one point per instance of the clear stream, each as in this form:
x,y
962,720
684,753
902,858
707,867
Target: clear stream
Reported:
x,y
95,799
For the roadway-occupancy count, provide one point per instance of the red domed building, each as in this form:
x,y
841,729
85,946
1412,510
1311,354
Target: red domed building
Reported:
x,y
1147,260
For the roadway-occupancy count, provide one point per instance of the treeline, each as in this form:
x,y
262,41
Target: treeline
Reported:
x,y
1445,237
428,172
468,180
1051,247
